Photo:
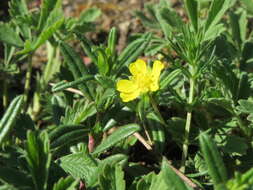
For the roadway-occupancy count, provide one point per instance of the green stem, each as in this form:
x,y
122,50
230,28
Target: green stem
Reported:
x,y
187,126
155,107
5,94
27,81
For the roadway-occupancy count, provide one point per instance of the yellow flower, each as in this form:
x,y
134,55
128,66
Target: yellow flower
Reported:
x,y
143,79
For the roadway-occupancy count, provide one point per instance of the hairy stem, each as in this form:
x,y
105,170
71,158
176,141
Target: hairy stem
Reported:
x,y
5,94
27,81
187,126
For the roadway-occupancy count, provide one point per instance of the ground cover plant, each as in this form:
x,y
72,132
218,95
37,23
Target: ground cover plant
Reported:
x,y
172,110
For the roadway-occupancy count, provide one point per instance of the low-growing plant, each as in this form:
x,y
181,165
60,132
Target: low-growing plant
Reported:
x,y
177,96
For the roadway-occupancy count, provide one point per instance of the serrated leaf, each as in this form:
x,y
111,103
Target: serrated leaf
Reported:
x,y
9,36
80,165
76,65
167,78
214,162
117,136
64,85
67,183
10,117
112,177
38,157
43,37
133,50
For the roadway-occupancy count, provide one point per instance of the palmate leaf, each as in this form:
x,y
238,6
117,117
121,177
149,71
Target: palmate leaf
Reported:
x,y
42,38
117,136
9,36
216,11
17,8
112,177
38,157
46,7
79,113
10,117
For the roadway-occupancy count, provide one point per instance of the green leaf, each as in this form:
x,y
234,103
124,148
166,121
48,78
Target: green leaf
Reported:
x,y
165,25
87,47
157,130
238,22
90,15
64,85
38,157
216,11
248,4
10,116
17,8
112,39
117,136
192,10
112,177
10,176
172,18
168,78
67,183
102,62
9,36
43,37
245,106
76,65
235,145
82,110
215,165
133,50
171,178
241,181
80,165
46,7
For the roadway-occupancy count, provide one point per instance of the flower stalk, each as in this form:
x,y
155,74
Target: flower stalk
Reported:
x,y
187,125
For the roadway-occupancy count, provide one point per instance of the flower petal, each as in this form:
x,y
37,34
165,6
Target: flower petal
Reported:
x,y
138,67
126,97
126,86
154,86
158,66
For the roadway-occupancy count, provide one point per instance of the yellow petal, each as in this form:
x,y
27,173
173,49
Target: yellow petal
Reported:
x,y
158,66
154,86
126,97
138,67
126,86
